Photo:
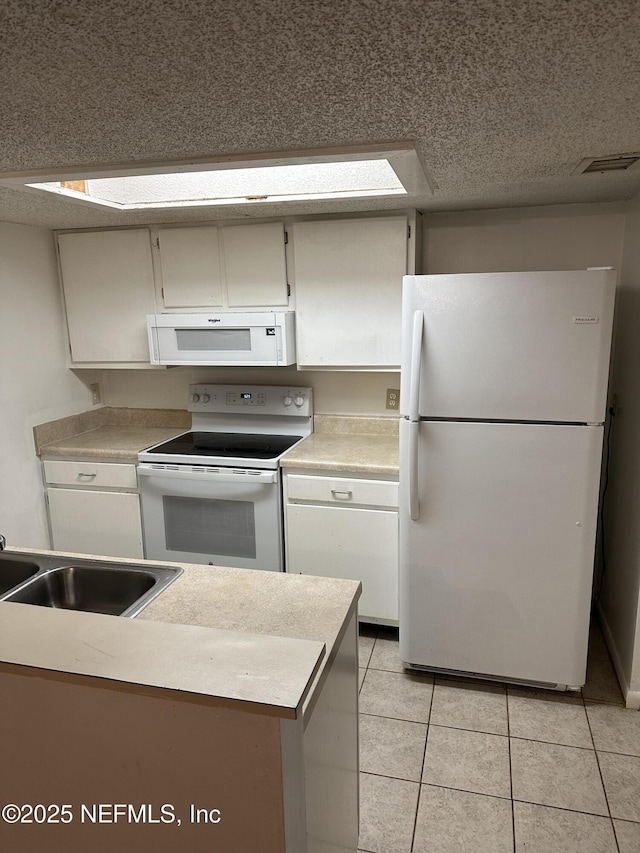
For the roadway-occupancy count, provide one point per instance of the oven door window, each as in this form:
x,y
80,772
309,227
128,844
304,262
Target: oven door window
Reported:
x,y
210,526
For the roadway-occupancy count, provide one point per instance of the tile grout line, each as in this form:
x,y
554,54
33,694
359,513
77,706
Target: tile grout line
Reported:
x,y
366,669
513,808
501,799
604,789
424,755
475,793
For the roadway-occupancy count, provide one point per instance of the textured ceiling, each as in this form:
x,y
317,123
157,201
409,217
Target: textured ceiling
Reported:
x,y
502,98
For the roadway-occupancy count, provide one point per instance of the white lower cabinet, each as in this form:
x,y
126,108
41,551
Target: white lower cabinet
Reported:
x,y
94,508
346,527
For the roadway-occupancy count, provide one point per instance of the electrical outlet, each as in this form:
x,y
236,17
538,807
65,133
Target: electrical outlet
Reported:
x,y
96,397
393,398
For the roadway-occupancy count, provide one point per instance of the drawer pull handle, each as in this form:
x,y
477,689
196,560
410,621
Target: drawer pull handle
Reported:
x,y
87,476
342,494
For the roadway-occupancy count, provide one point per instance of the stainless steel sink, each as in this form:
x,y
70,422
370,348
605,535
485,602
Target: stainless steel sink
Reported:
x,y
94,586
14,571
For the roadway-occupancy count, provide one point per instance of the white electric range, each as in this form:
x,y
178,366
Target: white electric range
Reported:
x,y
213,495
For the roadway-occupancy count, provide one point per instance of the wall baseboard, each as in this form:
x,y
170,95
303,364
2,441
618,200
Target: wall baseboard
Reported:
x,y
632,697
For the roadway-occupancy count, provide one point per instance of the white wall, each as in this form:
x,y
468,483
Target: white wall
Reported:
x,y
544,238
334,393
35,383
621,585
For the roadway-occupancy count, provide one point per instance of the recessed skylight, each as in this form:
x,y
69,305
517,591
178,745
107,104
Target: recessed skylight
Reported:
x,y
237,186
294,176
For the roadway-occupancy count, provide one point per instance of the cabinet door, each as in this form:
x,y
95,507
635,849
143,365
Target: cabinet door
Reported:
x,y
348,284
107,278
254,265
94,522
358,544
190,264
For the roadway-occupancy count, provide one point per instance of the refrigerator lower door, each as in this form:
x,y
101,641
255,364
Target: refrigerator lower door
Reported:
x,y
496,573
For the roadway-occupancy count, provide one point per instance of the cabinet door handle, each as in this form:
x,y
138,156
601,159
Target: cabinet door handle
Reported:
x,y
342,494
87,476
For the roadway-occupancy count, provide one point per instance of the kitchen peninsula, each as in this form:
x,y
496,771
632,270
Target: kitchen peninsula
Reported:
x,y
233,693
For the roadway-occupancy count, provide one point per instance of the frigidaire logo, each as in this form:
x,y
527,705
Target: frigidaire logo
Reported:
x,y
213,319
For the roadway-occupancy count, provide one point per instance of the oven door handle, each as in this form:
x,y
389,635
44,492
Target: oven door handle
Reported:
x,y
189,472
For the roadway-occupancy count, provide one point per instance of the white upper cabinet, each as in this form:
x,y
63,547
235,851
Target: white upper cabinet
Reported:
x,y
255,265
190,262
348,285
347,275
229,267
108,288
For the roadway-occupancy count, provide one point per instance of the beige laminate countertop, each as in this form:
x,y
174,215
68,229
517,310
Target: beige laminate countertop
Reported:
x,y
108,433
367,454
366,445
371,454
109,442
261,641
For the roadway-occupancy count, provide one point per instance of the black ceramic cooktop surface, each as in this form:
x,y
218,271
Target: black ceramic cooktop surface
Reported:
x,y
227,444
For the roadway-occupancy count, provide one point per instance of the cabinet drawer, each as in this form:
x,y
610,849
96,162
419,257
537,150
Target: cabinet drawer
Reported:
x,y
113,475
342,490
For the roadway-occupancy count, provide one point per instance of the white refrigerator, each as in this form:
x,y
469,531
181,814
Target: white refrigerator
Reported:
x,y
503,403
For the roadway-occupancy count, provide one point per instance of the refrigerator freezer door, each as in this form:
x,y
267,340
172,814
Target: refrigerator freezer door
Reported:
x,y
496,574
530,346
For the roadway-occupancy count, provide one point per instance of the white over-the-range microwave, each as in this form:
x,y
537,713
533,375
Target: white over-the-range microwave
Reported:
x,y
248,338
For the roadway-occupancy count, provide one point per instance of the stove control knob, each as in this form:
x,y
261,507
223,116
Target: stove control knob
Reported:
x,y
195,398
287,401
205,398
299,401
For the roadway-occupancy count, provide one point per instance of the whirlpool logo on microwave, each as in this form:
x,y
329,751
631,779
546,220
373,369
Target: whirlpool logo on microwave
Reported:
x,y
213,319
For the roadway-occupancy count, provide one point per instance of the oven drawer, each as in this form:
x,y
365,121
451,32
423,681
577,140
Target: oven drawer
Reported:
x,y
105,475
342,490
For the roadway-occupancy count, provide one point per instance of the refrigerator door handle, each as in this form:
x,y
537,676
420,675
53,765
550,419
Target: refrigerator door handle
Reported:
x,y
416,359
414,501
414,413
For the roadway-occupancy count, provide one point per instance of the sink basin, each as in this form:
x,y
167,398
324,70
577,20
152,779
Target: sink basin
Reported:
x,y
14,571
85,588
93,586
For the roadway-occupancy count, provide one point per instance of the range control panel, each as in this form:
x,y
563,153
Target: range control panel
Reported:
x,y
257,399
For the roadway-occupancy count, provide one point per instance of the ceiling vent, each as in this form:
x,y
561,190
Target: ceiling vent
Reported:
x,y
617,163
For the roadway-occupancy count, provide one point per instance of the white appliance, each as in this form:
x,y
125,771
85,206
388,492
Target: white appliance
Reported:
x,y
503,401
245,339
213,495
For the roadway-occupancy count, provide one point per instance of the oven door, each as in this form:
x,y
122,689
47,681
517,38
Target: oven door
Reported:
x,y
217,517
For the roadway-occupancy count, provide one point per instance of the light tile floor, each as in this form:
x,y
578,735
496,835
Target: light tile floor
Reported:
x,y
450,766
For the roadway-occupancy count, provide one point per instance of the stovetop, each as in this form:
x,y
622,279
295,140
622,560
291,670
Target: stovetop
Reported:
x,y
223,445
248,426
